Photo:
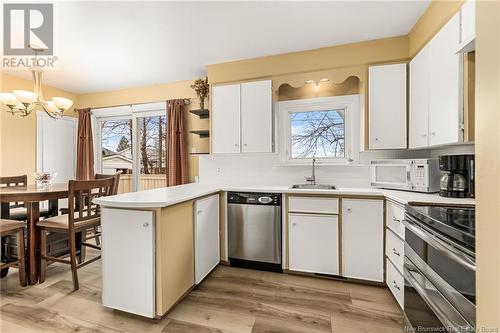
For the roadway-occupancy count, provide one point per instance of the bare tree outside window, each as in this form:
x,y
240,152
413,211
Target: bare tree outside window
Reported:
x,y
318,134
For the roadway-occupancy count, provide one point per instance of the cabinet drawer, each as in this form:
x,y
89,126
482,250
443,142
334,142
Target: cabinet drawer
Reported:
x,y
313,205
394,249
395,281
395,215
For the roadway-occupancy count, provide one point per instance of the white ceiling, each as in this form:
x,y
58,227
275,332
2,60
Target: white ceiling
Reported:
x,y
111,45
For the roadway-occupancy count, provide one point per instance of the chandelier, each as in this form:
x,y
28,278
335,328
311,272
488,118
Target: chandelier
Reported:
x,y
23,102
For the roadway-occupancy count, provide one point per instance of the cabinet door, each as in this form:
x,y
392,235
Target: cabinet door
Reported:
x,y
226,119
313,243
256,117
128,268
387,106
468,22
444,88
206,236
363,239
419,99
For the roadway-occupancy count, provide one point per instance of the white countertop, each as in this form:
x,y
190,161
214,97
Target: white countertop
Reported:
x,y
167,196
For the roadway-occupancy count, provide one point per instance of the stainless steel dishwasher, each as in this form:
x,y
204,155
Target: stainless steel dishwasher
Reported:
x,y
254,230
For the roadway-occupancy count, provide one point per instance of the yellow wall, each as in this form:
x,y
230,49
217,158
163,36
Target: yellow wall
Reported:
x,y
488,164
434,18
18,135
376,51
156,93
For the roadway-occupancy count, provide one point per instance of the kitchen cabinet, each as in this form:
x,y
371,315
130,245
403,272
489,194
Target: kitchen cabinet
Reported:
x,y
395,282
363,239
313,243
436,90
226,119
128,267
206,242
256,117
242,118
387,106
467,26
444,85
419,100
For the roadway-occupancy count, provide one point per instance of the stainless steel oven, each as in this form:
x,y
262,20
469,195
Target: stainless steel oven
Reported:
x,y
439,270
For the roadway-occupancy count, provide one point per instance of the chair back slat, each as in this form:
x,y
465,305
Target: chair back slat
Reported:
x,y
116,177
14,181
81,195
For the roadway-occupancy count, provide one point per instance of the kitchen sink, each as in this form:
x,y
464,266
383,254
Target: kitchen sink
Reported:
x,y
314,186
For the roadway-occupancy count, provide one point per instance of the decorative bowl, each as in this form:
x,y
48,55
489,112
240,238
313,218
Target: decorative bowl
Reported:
x,y
44,179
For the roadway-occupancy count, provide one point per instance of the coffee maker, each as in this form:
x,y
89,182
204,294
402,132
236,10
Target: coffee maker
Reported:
x,y
458,177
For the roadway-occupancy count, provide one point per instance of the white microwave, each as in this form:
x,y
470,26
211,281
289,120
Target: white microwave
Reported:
x,y
418,175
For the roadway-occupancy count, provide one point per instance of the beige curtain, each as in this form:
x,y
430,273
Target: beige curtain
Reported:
x,y
177,169
85,146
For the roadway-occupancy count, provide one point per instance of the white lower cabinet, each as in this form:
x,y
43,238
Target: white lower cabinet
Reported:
x,y
313,243
363,239
395,281
128,261
206,219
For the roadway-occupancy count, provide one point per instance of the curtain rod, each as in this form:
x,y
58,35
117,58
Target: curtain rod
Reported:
x,y
187,101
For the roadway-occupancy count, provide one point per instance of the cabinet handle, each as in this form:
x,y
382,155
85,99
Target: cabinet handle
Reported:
x,y
376,139
395,219
199,212
236,145
145,224
433,133
424,135
349,210
294,224
395,285
396,252
245,144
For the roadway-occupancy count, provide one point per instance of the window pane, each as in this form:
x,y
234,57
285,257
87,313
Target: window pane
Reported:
x,y
318,134
152,152
116,143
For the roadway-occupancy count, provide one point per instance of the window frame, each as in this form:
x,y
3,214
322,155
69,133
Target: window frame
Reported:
x,y
125,112
351,106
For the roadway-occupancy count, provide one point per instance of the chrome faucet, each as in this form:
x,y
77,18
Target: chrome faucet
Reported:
x,y
312,179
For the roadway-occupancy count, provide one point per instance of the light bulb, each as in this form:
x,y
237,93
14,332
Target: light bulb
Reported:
x,y
51,107
26,97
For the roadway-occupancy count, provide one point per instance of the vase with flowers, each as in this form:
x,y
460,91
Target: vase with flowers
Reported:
x,y
201,88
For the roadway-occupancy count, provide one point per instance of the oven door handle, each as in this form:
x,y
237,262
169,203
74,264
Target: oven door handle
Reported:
x,y
439,245
448,316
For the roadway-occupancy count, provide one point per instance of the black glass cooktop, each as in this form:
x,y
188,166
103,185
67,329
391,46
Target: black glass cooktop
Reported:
x,y
457,223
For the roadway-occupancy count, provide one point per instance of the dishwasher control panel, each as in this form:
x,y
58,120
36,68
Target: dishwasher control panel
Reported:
x,y
250,198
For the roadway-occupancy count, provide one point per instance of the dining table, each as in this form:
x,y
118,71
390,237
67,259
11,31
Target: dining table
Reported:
x,y
32,195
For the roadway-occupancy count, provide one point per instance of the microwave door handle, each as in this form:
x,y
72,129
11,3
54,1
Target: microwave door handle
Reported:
x,y
446,316
408,175
447,250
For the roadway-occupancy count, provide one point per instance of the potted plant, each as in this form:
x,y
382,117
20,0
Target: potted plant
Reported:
x,y
201,88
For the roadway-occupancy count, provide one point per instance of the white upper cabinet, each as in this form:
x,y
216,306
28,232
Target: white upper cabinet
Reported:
x,y
467,26
444,85
387,106
436,90
419,100
242,118
256,117
226,119
363,239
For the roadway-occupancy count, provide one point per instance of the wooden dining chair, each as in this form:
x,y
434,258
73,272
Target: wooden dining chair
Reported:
x,y
17,210
83,214
15,228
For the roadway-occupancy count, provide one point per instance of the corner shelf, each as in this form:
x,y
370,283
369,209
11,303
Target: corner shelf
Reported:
x,y
202,113
201,133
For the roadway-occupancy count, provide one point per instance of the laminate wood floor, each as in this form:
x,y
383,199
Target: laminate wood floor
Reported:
x,y
230,300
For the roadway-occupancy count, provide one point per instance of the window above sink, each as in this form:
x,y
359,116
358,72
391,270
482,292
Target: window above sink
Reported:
x,y
327,128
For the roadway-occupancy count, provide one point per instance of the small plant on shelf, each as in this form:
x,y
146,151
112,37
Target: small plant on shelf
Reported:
x,y
201,88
